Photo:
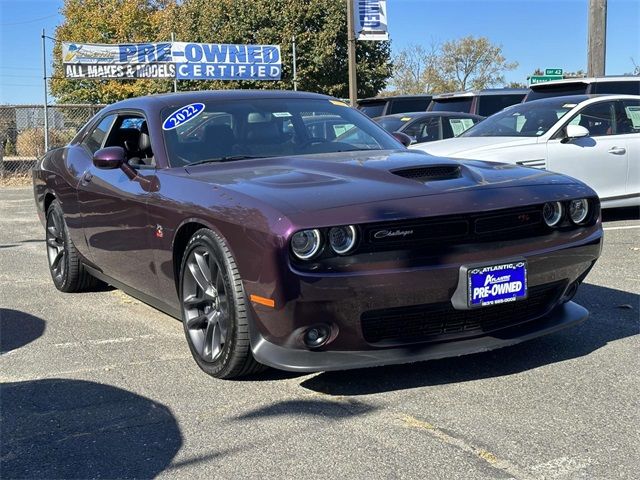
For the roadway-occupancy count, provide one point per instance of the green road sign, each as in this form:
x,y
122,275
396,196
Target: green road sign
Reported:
x,y
553,71
533,79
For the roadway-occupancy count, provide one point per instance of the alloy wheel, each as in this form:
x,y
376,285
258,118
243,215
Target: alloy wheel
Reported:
x,y
205,303
56,250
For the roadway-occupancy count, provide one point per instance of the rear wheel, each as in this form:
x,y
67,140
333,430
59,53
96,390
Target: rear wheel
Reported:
x,y
214,312
65,265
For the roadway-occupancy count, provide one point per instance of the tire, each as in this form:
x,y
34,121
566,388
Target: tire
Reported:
x,y
214,308
65,265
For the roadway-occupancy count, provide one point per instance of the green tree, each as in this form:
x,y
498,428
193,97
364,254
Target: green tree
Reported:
x,y
472,62
111,22
320,29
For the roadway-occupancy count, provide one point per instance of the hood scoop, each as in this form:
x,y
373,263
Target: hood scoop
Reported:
x,y
429,173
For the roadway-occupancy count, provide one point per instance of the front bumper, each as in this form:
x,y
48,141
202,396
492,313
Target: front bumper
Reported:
x,y
564,316
343,301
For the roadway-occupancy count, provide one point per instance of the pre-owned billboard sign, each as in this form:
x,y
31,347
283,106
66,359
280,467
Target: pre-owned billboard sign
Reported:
x,y
181,60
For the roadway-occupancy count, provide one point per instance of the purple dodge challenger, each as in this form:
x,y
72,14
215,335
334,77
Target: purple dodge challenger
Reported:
x,y
288,229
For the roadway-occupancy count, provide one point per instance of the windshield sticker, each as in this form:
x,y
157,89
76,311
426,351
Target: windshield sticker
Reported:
x,y
339,103
281,114
183,115
405,119
569,105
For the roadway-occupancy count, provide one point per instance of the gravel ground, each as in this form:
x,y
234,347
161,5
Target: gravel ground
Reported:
x,y
100,385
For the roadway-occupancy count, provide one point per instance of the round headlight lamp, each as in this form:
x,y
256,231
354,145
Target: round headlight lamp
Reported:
x,y
306,243
342,239
552,213
579,210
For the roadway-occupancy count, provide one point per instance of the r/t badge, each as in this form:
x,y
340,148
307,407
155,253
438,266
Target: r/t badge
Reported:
x,y
159,231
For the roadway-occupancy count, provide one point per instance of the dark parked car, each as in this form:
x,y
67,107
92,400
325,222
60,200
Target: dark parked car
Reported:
x,y
428,126
378,106
308,251
478,102
584,86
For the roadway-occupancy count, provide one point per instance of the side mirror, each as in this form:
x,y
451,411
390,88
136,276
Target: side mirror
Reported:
x,y
575,131
109,158
403,138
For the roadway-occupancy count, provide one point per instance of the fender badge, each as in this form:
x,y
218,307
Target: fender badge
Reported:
x,y
159,231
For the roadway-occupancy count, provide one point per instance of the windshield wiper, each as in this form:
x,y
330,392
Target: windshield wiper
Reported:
x,y
228,158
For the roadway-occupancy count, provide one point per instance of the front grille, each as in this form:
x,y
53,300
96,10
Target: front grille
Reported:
x,y
497,225
431,173
440,321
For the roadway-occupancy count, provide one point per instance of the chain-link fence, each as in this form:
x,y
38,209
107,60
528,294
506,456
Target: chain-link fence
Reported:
x,y
22,133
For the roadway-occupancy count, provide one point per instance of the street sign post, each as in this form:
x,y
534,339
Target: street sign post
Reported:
x,y
553,71
533,79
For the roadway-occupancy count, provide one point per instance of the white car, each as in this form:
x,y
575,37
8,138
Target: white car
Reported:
x,y
594,138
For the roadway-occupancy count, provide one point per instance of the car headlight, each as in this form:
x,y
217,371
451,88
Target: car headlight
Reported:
x,y
552,213
578,210
306,243
342,239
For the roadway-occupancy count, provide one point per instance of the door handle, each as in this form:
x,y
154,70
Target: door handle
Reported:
x,y
618,150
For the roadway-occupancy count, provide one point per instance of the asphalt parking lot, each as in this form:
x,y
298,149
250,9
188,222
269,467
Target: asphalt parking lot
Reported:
x,y
100,385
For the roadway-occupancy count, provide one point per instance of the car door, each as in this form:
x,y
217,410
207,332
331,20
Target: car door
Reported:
x,y
599,160
114,210
628,126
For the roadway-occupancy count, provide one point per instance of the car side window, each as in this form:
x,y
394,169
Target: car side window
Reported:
x,y
628,117
429,130
598,118
130,132
95,139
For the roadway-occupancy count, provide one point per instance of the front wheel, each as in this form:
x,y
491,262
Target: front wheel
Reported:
x,y
214,312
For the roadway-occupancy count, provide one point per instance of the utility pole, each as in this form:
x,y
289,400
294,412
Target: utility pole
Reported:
x,y
175,77
351,54
46,99
597,44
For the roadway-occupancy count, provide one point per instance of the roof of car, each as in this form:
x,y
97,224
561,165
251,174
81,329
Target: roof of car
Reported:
x,y
203,95
430,114
609,78
393,97
581,98
486,91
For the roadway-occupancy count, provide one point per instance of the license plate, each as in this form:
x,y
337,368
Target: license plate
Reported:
x,y
496,284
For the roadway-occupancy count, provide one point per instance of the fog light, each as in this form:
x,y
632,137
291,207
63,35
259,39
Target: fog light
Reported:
x,y
316,336
552,213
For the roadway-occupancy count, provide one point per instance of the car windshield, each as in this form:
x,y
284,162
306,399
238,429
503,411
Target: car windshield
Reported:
x,y
522,120
227,130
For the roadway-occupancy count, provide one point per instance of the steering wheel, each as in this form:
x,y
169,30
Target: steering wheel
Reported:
x,y
312,140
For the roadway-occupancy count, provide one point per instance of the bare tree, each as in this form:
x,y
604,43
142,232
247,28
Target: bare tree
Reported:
x,y
472,63
415,69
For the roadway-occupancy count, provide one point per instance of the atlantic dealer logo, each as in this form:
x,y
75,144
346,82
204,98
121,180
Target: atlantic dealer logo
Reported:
x,y
392,233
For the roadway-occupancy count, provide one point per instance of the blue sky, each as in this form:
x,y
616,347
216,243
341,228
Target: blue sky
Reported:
x,y
535,33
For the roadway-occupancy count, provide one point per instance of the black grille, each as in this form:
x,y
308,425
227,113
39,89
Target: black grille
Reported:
x,y
440,321
427,174
508,224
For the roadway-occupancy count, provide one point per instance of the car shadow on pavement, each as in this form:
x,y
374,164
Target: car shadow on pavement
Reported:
x,y
614,316
62,428
325,409
18,329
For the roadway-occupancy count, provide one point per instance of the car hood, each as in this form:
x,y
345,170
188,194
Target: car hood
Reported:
x,y
317,182
465,147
